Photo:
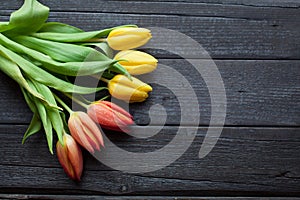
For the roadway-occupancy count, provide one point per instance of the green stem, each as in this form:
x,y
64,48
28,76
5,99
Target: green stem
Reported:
x,y
63,104
76,100
104,79
104,98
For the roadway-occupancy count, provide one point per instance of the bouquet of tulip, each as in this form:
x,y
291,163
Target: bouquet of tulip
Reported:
x,y
41,56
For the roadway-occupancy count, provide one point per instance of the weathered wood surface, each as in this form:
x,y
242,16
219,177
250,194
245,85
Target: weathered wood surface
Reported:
x,y
93,197
260,93
251,32
256,48
245,161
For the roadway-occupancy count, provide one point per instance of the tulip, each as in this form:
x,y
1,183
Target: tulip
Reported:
x,y
70,157
128,38
85,131
136,62
110,116
128,90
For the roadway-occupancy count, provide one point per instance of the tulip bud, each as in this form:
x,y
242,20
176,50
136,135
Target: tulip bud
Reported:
x,y
136,62
128,90
85,131
70,157
128,38
110,116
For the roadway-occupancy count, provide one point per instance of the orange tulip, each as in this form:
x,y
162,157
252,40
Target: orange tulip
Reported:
x,y
85,131
110,116
70,157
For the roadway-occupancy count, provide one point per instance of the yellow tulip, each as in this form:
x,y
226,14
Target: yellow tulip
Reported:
x,y
136,62
128,38
128,90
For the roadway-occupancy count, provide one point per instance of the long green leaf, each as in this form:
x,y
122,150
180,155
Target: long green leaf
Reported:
x,y
28,99
119,69
13,71
45,120
88,67
35,124
53,114
58,27
103,46
28,19
34,127
45,77
4,26
63,52
76,37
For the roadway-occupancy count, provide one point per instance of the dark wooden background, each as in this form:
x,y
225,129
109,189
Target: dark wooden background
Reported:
x,y
256,46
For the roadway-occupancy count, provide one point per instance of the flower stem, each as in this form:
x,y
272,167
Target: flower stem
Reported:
x,y
104,98
104,80
63,104
76,100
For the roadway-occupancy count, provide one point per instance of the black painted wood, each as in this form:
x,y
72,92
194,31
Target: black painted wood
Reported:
x,y
94,197
245,161
255,45
259,93
93,5
249,33
236,9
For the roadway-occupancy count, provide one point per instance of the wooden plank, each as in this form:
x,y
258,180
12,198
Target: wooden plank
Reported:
x,y
245,161
102,5
222,37
256,10
94,197
259,93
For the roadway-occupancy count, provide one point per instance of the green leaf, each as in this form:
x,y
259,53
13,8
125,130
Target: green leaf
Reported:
x,y
28,19
61,51
45,120
57,27
4,26
13,71
65,123
45,77
53,114
103,46
77,37
34,127
35,124
119,69
70,68
28,99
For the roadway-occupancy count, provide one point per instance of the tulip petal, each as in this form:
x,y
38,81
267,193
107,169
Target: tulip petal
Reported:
x,y
64,161
75,156
70,157
110,116
78,133
116,108
128,38
92,128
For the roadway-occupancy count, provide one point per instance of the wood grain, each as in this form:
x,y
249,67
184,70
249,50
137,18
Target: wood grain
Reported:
x,y
260,161
101,5
255,45
238,9
259,93
223,35
94,197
